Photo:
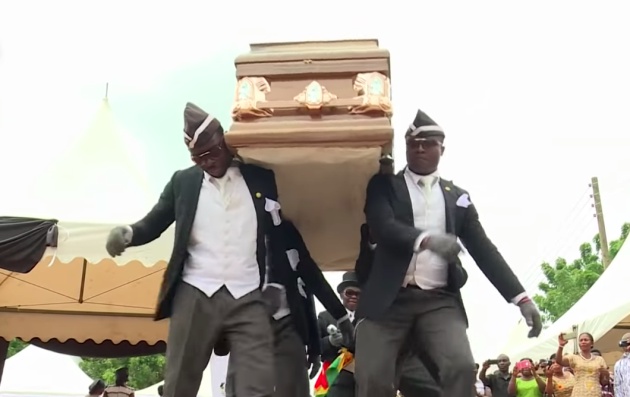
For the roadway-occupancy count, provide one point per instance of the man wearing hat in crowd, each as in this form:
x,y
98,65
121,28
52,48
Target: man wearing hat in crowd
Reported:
x,y
96,389
331,338
224,214
120,388
414,381
621,372
412,294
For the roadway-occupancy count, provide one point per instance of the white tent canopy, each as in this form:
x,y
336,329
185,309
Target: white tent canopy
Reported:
x,y
96,184
39,372
599,312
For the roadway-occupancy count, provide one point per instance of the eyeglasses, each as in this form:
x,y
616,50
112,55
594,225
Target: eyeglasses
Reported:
x,y
425,143
352,293
213,153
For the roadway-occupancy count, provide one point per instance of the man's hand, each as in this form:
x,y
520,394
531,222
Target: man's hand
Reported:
x,y
117,241
531,316
445,245
347,332
485,365
315,364
336,339
271,295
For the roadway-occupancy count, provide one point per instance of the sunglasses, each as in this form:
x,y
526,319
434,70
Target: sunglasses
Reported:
x,y
352,293
214,153
425,143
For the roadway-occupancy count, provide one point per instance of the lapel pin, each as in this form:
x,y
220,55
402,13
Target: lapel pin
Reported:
x,y
448,189
258,195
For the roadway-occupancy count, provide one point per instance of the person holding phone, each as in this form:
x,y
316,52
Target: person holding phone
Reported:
x,y
590,370
499,380
560,383
528,384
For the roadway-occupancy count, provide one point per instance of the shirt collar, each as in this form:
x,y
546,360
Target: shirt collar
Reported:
x,y
416,178
229,174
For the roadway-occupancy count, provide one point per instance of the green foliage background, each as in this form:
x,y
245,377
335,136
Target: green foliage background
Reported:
x,y
566,282
144,371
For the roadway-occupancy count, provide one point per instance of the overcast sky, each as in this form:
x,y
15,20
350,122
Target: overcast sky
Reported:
x,y
534,99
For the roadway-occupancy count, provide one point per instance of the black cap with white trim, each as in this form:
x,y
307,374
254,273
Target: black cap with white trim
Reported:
x,y
423,127
199,126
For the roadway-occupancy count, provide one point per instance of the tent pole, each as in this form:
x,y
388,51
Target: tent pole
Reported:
x,y
83,275
106,91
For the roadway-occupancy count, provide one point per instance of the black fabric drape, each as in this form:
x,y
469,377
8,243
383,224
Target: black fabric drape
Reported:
x,y
23,242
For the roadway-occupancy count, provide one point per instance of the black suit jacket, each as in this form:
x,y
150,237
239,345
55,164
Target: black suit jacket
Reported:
x,y
389,215
363,264
313,347
178,203
302,282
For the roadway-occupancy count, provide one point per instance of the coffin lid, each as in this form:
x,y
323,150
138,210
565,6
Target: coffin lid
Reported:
x,y
312,50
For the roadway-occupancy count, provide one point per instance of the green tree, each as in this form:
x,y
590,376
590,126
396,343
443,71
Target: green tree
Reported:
x,y
15,346
567,282
144,371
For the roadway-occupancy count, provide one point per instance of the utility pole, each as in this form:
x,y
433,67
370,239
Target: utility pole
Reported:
x,y
601,226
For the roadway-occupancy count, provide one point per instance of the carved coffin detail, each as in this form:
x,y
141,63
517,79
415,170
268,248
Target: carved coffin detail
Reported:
x,y
373,90
315,96
251,92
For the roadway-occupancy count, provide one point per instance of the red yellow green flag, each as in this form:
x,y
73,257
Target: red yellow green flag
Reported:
x,y
321,384
330,371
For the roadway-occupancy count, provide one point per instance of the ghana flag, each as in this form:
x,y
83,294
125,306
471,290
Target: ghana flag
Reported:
x,y
330,371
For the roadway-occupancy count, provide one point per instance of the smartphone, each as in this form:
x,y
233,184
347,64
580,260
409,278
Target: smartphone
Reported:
x,y
493,362
524,364
569,335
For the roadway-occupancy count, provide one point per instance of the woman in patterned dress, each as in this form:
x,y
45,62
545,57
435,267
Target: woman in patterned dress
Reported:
x,y
559,382
589,369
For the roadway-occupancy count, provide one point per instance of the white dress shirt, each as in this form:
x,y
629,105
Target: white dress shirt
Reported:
x,y
427,269
222,246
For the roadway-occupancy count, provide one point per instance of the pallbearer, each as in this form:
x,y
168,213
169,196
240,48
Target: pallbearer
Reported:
x,y
413,289
224,213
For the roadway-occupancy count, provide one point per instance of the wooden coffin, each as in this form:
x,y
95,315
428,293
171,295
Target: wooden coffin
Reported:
x,y
318,114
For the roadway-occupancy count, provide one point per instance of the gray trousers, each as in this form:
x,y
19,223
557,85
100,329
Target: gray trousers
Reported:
x,y
291,372
290,358
435,323
196,323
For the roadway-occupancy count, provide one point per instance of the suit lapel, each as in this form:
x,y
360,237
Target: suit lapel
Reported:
x,y
450,201
190,200
256,193
401,191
